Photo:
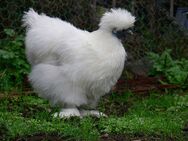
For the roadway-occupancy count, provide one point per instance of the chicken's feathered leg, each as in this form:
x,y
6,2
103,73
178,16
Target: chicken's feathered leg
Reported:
x,y
67,113
94,113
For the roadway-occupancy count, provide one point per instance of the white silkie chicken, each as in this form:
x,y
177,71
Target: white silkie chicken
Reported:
x,y
72,67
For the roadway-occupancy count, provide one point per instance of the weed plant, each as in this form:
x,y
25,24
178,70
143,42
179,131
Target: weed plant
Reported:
x,y
13,64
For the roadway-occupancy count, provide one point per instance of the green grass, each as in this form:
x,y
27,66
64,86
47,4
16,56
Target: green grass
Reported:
x,y
161,116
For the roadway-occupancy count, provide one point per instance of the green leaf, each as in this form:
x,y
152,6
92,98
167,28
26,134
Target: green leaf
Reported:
x,y
10,32
6,55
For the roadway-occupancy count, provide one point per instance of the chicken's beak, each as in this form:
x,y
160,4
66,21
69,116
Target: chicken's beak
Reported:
x,y
130,31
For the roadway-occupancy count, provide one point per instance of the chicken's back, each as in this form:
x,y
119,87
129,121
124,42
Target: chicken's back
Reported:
x,y
45,35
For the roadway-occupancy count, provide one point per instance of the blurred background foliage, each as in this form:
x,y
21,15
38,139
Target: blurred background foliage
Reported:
x,y
156,30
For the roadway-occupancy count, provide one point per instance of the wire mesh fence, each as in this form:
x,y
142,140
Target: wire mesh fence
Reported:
x,y
160,24
78,12
155,30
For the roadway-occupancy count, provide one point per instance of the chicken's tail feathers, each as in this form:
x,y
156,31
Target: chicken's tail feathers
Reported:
x,y
30,18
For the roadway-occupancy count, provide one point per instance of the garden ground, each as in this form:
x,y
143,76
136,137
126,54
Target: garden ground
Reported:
x,y
155,116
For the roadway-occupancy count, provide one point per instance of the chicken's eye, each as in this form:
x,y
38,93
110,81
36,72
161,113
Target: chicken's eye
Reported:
x,y
114,31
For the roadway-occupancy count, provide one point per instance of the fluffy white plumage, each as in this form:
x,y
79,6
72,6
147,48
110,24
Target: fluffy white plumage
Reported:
x,y
72,67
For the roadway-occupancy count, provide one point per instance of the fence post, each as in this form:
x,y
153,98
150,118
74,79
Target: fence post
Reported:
x,y
132,6
114,3
171,8
94,3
